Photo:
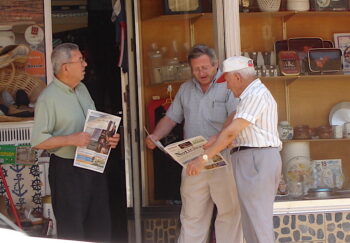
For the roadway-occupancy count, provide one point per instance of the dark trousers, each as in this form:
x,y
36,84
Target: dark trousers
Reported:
x,y
80,201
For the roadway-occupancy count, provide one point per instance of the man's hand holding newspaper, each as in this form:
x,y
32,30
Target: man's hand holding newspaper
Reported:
x,y
186,150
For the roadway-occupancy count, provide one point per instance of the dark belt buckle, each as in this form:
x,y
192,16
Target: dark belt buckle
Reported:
x,y
236,149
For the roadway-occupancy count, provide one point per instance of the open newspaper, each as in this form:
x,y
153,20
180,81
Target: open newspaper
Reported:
x,y
100,126
186,150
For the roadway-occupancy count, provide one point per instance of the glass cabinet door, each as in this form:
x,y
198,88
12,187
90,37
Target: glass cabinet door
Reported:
x,y
287,44
167,31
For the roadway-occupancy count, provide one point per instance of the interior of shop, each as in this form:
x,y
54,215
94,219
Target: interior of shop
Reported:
x,y
302,55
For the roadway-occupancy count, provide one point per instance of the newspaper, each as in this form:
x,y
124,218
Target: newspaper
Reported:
x,y
186,150
100,126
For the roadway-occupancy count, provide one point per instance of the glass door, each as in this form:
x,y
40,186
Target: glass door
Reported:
x,y
164,33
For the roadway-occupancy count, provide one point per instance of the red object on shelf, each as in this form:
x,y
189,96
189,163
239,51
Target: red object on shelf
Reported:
x,y
8,193
151,108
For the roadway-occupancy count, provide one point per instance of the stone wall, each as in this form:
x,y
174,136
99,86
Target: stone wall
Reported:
x,y
328,227
322,227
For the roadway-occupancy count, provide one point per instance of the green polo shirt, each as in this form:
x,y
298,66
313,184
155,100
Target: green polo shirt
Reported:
x,y
61,110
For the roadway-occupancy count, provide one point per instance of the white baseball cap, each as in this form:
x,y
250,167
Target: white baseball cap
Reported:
x,y
234,64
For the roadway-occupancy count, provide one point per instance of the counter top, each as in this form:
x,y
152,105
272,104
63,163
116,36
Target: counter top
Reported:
x,y
302,206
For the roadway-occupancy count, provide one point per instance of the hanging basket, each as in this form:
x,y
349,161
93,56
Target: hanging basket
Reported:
x,y
269,5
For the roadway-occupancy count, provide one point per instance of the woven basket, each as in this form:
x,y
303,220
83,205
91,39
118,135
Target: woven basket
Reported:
x,y
12,79
269,5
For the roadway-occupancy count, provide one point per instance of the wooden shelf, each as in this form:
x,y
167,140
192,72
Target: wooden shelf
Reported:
x,y
317,140
173,17
66,23
68,2
292,78
167,83
294,13
266,14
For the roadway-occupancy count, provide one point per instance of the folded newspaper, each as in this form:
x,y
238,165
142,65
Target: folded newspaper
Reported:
x,y
186,150
100,126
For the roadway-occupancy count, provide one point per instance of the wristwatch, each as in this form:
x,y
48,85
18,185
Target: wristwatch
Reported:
x,y
205,157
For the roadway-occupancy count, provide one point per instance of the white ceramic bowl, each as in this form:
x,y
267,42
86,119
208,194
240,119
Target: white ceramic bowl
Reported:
x,y
340,114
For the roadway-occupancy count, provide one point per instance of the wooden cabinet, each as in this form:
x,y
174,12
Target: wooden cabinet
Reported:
x,y
164,30
304,99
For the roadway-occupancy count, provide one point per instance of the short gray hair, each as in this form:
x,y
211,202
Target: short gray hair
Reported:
x,y
200,50
247,73
62,54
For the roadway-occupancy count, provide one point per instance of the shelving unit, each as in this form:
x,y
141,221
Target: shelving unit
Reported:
x,y
317,140
70,16
303,99
163,29
172,17
67,2
290,79
155,27
66,23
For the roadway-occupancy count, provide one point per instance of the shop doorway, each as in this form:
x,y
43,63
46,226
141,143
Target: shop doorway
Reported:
x,y
88,24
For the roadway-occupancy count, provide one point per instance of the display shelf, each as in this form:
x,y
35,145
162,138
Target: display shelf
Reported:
x,y
176,82
68,2
65,22
304,99
307,206
267,14
293,13
172,17
322,13
317,140
292,78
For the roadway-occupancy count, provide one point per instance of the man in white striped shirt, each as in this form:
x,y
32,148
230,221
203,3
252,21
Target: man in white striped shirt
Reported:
x,y
255,157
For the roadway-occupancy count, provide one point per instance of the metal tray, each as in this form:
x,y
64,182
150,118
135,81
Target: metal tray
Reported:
x,y
325,59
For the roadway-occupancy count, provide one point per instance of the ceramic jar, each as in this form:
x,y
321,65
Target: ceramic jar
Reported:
x,y
302,132
269,5
298,5
325,132
285,130
346,130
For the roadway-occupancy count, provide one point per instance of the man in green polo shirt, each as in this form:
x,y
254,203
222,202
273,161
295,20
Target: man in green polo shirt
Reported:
x,y
79,196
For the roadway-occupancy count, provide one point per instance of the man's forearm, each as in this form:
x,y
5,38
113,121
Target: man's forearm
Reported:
x,y
229,119
54,142
74,139
163,128
226,136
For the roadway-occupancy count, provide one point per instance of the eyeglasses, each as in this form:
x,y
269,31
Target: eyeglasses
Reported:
x,y
202,69
81,61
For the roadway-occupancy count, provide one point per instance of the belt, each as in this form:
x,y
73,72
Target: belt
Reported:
x,y
240,148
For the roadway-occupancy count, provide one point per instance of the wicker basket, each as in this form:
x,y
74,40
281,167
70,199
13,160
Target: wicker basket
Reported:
x,y
12,79
269,5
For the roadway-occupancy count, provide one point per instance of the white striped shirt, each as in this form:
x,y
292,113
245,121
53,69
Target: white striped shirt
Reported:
x,y
257,105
